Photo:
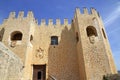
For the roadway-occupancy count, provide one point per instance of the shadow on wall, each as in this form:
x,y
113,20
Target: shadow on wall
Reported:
x,y
62,58
2,33
112,77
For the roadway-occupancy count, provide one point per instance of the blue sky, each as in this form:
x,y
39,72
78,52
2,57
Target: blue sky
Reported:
x,y
108,9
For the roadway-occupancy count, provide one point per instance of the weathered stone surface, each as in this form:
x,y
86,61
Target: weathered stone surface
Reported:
x,y
82,52
11,67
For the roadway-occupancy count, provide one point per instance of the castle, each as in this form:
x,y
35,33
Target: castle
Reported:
x,y
76,51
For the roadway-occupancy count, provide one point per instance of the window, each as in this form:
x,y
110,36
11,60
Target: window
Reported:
x,y
39,75
103,33
91,31
31,38
16,36
54,40
2,33
77,38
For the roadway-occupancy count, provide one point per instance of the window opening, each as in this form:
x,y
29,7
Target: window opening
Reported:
x,y
91,31
2,33
39,75
77,38
31,38
16,36
54,40
103,33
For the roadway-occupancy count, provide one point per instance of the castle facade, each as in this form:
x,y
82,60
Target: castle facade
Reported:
x,y
76,51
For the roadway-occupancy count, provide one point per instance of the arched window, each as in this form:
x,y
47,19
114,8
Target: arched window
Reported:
x,y
91,31
103,33
17,35
54,40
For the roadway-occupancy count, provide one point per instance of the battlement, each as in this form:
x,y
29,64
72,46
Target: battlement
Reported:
x,y
57,22
30,16
21,14
92,11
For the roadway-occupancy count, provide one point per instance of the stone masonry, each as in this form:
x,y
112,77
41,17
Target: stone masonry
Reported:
x,y
11,67
76,51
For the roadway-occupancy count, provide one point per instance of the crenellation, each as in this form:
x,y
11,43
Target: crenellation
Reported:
x,y
77,10
30,14
12,15
21,14
43,22
58,22
85,10
50,22
93,11
65,21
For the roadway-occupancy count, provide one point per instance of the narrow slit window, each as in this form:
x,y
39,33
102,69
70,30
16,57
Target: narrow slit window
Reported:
x,y
104,34
31,38
77,38
2,33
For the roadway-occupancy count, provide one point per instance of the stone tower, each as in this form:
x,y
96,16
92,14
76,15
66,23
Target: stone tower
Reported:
x,y
93,49
76,51
17,36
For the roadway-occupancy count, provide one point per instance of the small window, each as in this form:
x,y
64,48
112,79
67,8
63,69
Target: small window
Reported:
x,y
91,31
16,36
2,33
77,38
103,33
31,38
54,40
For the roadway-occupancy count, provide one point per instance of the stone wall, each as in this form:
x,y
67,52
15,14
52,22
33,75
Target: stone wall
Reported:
x,y
88,58
61,60
11,67
92,51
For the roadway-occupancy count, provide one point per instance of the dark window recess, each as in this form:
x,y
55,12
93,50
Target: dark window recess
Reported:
x,y
2,33
16,36
91,31
77,38
54,40
39,75
31,38
104,34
